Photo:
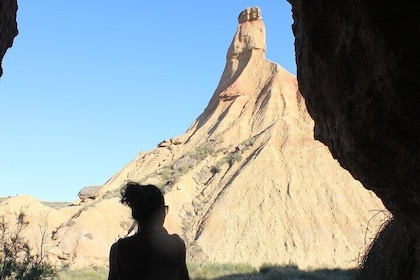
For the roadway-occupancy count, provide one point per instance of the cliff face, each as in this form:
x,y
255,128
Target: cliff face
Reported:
x,y
8,27
246,183
358,71
357,68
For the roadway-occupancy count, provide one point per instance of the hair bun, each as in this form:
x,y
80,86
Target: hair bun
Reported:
x,y
144,200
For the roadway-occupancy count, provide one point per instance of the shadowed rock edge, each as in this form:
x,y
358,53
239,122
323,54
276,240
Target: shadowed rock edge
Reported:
x,y
357,67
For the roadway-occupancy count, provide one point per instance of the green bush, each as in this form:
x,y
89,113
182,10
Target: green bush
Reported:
x,y
215,169
233,157
230,159
248,143
201,152
165,173
218,166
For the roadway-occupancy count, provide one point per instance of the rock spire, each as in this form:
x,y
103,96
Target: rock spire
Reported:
x,y
245,57
250,34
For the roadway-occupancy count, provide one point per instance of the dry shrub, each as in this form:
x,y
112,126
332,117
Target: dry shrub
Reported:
x,y
16,258
391,255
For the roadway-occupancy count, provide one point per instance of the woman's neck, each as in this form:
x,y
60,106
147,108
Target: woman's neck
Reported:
x,y
144,228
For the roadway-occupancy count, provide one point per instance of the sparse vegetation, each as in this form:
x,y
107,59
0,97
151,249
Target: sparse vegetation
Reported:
x,y
170,174
165,173
17,260
169,177
112,193
214,270
234,157
292,272
216,168
83,208
219,271
93,273
230,159
55,205
201,152
248,142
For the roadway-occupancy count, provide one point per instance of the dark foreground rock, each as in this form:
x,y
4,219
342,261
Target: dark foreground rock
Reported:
x,y
8,26
358,69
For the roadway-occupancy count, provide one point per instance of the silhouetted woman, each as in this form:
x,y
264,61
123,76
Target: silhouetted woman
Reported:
x,y
151,253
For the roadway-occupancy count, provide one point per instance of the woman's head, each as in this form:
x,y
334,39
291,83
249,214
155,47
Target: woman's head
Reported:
x,y
146,201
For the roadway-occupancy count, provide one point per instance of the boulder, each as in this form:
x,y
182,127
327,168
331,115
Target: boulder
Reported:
x,y
89,192
165,143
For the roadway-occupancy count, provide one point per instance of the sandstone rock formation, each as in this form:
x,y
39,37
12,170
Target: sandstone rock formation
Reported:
x,y
250,14
246,183
8,26
89,192
358,70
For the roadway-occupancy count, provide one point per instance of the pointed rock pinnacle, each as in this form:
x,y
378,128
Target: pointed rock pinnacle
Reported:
x,y
245,55
250,34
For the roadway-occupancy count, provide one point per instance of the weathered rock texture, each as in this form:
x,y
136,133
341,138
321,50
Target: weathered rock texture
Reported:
x,y
250,14
358,69
89,192
8,26
246,183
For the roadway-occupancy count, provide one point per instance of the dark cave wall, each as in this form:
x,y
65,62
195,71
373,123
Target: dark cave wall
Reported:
x,y
358,69
8,26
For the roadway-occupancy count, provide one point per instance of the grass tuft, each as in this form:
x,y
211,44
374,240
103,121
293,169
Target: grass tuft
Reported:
x,y
214,270
93,273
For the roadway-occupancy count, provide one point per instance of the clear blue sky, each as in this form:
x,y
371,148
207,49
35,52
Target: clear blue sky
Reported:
x,y
90,84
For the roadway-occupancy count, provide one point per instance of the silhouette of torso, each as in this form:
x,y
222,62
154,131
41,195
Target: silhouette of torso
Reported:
x,y
150,256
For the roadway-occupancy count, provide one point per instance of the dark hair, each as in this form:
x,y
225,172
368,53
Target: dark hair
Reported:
x,y
144,200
